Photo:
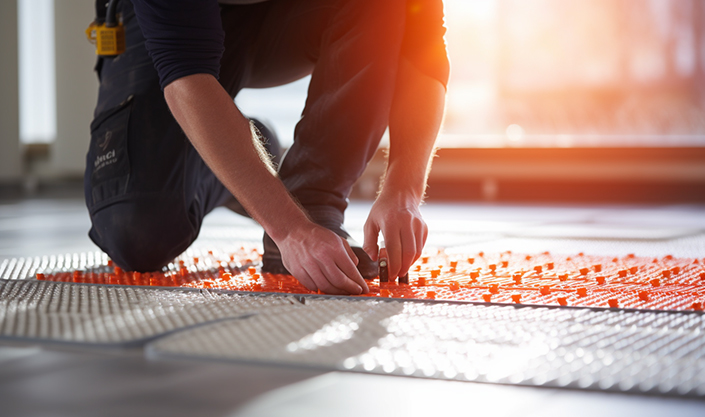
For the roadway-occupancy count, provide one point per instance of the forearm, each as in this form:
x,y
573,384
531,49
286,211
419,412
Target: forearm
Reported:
x,y
222,136
415,119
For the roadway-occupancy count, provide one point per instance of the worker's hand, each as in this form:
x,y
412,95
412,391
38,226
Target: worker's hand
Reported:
x,y
398,217
321,260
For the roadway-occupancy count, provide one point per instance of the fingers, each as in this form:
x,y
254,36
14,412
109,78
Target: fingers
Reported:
x,y
370,243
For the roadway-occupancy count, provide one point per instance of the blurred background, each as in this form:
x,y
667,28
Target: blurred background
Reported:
x,y
549,100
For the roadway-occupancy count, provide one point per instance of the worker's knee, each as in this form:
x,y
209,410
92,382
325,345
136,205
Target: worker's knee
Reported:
x,y
142,235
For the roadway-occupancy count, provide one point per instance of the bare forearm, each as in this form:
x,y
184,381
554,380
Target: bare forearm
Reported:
x,y
415,119
222,136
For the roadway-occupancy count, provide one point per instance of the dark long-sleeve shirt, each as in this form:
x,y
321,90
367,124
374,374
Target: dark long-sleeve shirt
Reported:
x,y
185,37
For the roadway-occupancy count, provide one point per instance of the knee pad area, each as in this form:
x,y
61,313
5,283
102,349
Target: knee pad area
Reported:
x,y
142,235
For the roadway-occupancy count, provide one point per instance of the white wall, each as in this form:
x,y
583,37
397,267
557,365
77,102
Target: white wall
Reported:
x,y
10,168
76,86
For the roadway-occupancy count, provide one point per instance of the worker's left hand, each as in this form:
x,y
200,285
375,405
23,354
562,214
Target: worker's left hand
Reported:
x,y
398,217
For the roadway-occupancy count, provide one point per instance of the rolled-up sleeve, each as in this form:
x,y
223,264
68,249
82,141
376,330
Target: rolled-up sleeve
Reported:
x,y
424,39
183,37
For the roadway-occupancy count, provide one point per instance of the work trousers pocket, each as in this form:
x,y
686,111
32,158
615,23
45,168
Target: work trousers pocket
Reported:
x,y
108,159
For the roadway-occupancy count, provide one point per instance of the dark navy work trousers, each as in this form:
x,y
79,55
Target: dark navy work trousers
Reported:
x,y
146,187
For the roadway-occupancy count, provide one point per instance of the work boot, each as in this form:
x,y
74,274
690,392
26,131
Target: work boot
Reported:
x,y
332,220
270,140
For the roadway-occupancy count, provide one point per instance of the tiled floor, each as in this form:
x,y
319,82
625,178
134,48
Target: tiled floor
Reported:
x,y
36,381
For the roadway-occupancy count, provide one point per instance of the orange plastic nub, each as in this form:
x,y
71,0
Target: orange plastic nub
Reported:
x,y
545,290
195,259
384,292
527,257
562,301
435,273
633,269
668,257
207,284
421,282
597,267
487,297
676,270
505,264
454,286
582,292
516,298
517,278
453,264
538,269
431,295
424,259
697,306
470,260
494,289
702,275
110,262
622,273
550,266
117,270
492,267
655,282
584,271
481,254
474,275
251,270
644,295
613,302
227,276
600,279
631,256
255,276
563,277
666,273
40,277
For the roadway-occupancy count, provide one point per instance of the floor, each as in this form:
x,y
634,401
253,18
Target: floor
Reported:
x,y
61,380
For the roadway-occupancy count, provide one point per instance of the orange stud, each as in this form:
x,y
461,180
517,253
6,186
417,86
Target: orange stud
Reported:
x,y
613,302
232,258
117,270
615,260
255,276
454,286
417,268
563,277
383,292
505,264
527,257
516,298
550,266
597,267
110,262
492,267
251,270
431,295
655,282
453,264
195,259
424,259
538,269
40,277
471,261
207,284
226,276
481,254
517,278
697,306
702,275
633,270
622,273
582,291
545,290
666,273
644,295
668,257
435,273
474,275
584,271
581,254
494,288
600,279
631,256
487,297
421,282
676,270
562,301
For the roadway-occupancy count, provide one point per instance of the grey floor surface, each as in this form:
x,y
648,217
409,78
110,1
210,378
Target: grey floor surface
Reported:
x,y
61,381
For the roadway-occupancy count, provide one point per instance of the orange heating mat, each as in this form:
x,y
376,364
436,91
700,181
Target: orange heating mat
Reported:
x,y
633,282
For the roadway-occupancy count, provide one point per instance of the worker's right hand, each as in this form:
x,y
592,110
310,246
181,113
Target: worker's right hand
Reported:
x,y
321,260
